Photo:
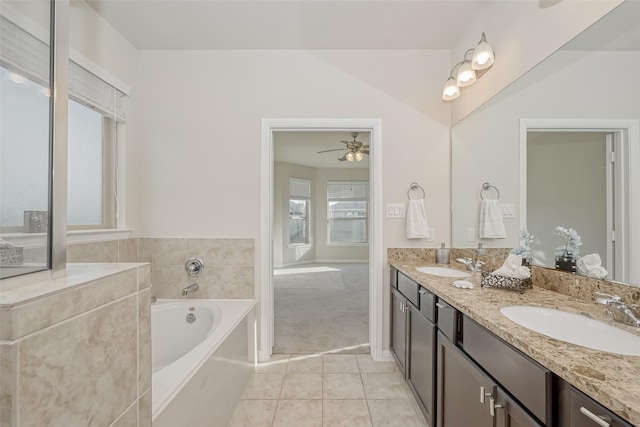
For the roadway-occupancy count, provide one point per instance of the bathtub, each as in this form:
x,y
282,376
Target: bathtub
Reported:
x,y
202,358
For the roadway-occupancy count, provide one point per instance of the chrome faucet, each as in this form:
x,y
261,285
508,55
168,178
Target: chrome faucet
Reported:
x,y
471,266
618,310
191,288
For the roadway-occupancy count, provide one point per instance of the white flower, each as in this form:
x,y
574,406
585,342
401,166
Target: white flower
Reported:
x,y
572,241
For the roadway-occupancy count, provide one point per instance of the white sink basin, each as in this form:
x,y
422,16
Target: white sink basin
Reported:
x,y
575,329
443,271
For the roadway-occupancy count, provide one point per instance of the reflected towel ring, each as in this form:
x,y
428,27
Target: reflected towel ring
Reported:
x,y
486,186
413,187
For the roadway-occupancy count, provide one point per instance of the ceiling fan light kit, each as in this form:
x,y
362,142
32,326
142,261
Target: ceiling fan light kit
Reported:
x,y
355,149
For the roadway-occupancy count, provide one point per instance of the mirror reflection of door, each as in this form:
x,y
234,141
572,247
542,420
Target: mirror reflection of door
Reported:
x,y
572,182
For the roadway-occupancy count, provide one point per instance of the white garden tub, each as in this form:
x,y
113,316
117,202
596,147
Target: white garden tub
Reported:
x,y
202,358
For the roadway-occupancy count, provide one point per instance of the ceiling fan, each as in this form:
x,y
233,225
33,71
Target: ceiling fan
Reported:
x,y
355,149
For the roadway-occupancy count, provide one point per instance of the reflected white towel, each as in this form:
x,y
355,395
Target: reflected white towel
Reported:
x,y
4,244
417,224
491,225
591,266
513,267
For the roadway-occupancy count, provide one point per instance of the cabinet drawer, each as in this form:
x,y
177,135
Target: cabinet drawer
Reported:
x,y
448,320
427,304
409,289
578,410
526,380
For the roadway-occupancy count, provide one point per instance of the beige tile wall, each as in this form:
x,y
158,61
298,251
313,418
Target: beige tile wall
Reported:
x,y
80,357
229,263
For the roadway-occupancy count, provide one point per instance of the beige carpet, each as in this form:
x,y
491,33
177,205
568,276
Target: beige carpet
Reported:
x,y
321,308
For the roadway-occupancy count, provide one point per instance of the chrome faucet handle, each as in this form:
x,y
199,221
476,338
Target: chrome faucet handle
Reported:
x,y
606,298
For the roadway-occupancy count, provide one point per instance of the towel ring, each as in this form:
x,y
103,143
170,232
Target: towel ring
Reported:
x,y
486,186
413,187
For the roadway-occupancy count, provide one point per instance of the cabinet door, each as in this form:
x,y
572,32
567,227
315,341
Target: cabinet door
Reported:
x,y
399,328
509,413
575,409
421,369
463,391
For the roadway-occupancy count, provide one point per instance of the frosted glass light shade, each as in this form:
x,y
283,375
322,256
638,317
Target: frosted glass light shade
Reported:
x,y
451,90
466,75
359,156
349,156
483,55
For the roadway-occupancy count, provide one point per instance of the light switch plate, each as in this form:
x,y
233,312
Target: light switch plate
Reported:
x,y
396,210
508,210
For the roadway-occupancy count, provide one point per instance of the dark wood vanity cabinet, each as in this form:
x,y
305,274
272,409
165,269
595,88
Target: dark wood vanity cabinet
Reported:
x,y
462,389
575,409
413,339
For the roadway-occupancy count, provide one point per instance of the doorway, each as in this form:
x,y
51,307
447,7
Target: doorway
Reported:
x,y
344,269
321,242
607,174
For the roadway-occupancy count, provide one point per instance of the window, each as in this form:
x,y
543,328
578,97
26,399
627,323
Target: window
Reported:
x,y
95,111
299,206
348,209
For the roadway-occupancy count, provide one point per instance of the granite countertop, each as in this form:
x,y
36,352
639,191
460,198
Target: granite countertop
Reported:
x,y
611,379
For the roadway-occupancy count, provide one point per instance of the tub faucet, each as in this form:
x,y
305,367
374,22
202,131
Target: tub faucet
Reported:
x,y
618,310
191,288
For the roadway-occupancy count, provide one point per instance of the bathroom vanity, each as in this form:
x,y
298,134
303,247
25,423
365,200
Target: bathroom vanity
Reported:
x,y
467,364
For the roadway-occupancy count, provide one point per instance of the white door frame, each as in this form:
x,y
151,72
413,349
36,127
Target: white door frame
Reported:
x,y
629,165
376,249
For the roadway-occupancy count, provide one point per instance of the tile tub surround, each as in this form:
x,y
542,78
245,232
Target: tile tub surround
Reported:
x,y
76,350
608,378
229,266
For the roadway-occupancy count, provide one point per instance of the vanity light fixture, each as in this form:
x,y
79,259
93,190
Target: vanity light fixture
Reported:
x,y
482,58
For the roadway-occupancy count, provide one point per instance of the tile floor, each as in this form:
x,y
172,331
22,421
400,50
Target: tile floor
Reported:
x,y
348,390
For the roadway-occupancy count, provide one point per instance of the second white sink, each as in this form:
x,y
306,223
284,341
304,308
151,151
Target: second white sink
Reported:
x,y
443,271
575,329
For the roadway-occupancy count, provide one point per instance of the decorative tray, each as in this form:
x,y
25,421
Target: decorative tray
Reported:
x,y
503,282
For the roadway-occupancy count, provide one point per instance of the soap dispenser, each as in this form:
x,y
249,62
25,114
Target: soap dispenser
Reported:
x,y
443,255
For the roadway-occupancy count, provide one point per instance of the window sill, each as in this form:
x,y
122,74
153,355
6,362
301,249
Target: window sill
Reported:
x,y
299,245
347,244
33,240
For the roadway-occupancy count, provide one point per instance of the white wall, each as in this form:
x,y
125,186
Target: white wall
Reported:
x,y
284,255
198,129
486,145
522,34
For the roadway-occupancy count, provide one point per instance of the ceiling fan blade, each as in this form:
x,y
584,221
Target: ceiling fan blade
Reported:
x,y
343,158
364,151
346,142
365,146
326,151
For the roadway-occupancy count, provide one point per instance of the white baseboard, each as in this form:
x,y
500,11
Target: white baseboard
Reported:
x,y
387,356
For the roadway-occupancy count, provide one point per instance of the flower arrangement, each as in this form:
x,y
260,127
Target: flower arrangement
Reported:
x,y
524,249
570,248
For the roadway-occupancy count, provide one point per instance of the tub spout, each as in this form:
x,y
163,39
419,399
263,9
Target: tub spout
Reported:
x,y
191,288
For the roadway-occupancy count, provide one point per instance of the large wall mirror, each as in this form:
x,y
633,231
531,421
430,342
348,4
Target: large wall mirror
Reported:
x,y
25,142
546,143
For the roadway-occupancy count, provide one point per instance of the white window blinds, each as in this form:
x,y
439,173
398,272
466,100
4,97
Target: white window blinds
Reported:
x,y
348,190
299,187
28,56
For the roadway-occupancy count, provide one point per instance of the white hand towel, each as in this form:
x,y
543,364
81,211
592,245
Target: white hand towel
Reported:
x,y
417,224
4,244
513,267
591,266
491,225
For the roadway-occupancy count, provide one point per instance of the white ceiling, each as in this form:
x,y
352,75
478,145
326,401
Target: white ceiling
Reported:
x,y
301,148
293,24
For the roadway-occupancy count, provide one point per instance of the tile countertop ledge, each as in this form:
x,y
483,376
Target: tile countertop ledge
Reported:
x,y
611,379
